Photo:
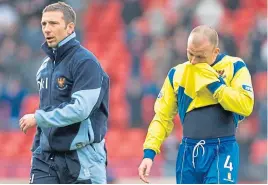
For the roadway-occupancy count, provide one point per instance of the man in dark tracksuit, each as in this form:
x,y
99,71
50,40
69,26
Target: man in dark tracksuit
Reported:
x,y
69,145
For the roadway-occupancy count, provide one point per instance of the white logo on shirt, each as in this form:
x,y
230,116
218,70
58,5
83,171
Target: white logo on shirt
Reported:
x,y
247,88
42,83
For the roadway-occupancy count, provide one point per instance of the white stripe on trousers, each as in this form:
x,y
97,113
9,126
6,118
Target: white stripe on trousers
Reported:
x,y
183,159
218,159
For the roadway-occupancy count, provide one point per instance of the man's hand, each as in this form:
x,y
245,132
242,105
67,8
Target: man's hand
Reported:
x,y
26,122
145,168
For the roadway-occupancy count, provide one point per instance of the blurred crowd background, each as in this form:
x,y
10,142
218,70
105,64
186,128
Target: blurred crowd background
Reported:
x,y
136,42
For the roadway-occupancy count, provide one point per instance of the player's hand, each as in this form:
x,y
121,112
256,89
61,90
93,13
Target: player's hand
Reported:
x,y
27,121
145,168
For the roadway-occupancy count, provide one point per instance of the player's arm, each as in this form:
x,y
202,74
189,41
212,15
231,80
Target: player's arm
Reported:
x,y
85,93
162,123
239,97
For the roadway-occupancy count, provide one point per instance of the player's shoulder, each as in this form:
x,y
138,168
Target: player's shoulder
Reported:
x,y
232,59
179,68
175,73
85,57
45,60
44,63
83,53
236,62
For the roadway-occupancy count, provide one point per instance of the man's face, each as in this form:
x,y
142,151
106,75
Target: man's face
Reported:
x,y
54,28
200,50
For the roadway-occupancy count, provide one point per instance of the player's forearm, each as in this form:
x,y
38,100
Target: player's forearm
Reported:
x,y
69,113
157,133
232,99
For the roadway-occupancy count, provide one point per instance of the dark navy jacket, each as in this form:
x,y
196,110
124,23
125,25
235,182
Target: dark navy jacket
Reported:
x,y
74,96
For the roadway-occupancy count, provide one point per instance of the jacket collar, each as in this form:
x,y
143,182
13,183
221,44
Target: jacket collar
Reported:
x,y
218,58
56,54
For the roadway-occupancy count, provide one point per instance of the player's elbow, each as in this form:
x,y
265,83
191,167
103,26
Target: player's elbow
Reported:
x,y
79,114
81,110
248,107
247,112
82,114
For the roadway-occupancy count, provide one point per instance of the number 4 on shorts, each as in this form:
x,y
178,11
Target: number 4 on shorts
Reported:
x,y
230,165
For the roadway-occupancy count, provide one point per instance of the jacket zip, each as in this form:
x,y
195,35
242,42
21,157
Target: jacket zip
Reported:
x,y
50,89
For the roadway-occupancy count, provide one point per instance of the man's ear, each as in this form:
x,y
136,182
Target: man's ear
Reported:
x,y
70,28
217,51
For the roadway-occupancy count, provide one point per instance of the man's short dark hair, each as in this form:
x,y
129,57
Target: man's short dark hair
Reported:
x,y
68,12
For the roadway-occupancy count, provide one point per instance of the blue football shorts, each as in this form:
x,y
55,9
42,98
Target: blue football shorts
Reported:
x,y
209,161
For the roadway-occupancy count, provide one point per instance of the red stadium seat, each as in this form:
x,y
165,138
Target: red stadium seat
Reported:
x,y
260,84
30,104
3,171
148,108
259,151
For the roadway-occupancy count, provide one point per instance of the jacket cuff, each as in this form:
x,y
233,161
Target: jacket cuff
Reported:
x,y
215,85
38,118
149,153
